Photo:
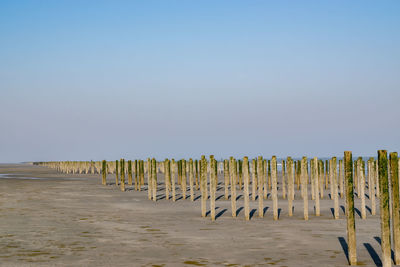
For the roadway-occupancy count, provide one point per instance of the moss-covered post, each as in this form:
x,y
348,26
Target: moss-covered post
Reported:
x,y
326,173
304,178
173,174
104,173
298,175
203,184
122,175
135,166
269,175
361,174
245,168
226,179
283,180
384,207
212,187
154,178
183,178
394,176
331,177
197,170
351,225
356,178
274,181
312,177
130,172
260,180
335,188
191,180
253,180
116,173
232,173
316,186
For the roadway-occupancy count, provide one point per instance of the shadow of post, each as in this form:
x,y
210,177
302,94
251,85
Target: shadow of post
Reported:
x,y
378,239
373,254
345,248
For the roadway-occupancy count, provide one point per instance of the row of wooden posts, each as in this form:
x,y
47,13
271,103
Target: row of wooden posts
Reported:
x,y
260,175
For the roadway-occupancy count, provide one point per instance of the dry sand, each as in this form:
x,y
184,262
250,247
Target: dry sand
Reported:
x,y
72,220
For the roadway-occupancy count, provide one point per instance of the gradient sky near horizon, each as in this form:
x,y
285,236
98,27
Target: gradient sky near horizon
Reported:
x,y
82,80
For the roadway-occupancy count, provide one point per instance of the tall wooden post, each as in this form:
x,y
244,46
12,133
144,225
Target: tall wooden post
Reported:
x,y
203,182
212,187
191,177
154,178
130,172
104,173
122,161
394,169
274,180
116,172
351,226
226,178
362,188
290,179
245,169
232,173
253,179
384,207
260,180
283,180
304,178
316,186
335,188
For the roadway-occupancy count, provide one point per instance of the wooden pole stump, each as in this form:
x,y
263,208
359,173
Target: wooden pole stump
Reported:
x,y
245,168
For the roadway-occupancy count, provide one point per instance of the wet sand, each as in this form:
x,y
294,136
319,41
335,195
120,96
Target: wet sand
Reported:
x,y
72,220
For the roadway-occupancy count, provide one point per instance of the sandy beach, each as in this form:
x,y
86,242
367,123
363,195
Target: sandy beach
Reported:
x,y
53,219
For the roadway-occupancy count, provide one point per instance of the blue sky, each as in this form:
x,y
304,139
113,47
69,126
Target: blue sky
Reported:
x,y
83,80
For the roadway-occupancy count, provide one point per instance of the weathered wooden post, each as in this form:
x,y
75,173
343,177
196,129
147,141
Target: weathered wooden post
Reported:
x,y
260,180
183,178
154,178
245,168
104,172
116,173
240,173
274,180
316,186
312,179
212,187
351,225
137,184
304,178
331,177
394,169
197,169
384,207
226,178
371,186
149,180
290,178
321,177
269,175
130,172
173,173
335,188
253,179
191,179
232,173
167,178
122,161
362,188
203,183
283,180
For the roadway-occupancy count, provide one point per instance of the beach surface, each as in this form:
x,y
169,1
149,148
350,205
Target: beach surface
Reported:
x,y
53,219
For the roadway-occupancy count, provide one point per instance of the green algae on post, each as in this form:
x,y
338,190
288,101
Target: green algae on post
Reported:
x,y
394,176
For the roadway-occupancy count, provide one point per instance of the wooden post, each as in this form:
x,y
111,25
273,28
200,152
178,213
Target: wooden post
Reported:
x,y
122,161
316,186
154,178
116,172
149,180
260,180
384,208
304,178
226,178
137,184
240,173
290,178
253,180
173,173
335,188
233,185
269,175
191,179
313,178
203,182
183,178
351,226
104,173
167,178
245,169
265,178
321,178
362,187
130,172
283,180
274,180
394,169
212,186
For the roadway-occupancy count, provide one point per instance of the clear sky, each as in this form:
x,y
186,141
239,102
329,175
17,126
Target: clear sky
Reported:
x,y
82,80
